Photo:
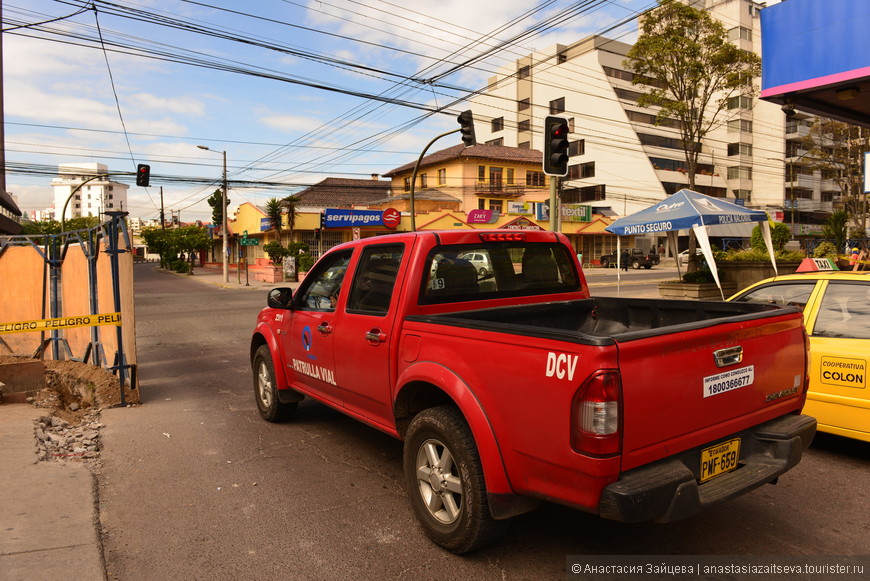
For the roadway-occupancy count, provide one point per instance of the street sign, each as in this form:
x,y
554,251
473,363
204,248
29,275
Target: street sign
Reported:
x,y
249,241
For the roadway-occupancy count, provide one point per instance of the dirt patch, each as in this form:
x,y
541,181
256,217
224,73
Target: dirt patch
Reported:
x,y
72,389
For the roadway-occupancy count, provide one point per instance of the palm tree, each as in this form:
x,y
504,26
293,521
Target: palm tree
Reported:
x,y
274,211
289,203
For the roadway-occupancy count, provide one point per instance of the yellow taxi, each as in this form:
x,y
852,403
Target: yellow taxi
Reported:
x,y
836,306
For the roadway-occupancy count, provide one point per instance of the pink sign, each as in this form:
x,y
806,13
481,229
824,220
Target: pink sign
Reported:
x,y
482,217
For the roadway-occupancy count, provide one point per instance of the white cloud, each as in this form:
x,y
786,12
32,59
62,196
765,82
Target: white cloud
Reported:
x,y
291,123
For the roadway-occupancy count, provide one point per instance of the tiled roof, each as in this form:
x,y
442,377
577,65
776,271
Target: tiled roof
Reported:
x,y
476,152
430,194
343,193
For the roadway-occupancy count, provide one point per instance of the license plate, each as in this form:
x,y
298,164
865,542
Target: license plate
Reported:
x,y
719,459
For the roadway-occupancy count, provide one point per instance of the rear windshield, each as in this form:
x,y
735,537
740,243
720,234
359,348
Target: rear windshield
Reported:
x,y
496,270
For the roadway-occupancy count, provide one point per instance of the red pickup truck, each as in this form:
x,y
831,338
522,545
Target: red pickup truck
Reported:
x,y
515,386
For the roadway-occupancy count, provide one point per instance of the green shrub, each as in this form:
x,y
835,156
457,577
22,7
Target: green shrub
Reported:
x,y
758,254
699,276
304,262
826,250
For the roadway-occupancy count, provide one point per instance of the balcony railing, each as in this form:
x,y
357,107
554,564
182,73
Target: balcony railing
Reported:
x,y
500,189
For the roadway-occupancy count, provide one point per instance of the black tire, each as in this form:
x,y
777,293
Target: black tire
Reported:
x,y
482,271
647,266
445,481
635,264
605,263
265,392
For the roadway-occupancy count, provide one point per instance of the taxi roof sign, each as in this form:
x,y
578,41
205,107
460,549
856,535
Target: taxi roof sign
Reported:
x,y
816,265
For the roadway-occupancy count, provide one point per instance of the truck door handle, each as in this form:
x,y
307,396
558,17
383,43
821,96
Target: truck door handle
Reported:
x,y
376,336
324,328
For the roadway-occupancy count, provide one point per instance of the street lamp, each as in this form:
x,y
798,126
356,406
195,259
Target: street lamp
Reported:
x,y
224,226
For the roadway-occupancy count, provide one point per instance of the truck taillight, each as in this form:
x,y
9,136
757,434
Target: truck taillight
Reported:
x,y
503,236
595,417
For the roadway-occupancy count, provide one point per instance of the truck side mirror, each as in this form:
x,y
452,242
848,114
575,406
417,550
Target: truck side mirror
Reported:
x,y
280,298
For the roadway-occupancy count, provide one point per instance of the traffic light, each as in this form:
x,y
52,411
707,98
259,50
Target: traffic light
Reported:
x,y
555,146
466,128
143,175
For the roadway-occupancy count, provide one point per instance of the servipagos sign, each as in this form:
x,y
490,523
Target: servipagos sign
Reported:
x,y
335,218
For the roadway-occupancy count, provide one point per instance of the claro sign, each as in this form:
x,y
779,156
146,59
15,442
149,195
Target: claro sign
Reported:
x,y
333,218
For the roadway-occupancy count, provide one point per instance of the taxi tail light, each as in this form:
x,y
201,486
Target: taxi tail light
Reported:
x,y
595,412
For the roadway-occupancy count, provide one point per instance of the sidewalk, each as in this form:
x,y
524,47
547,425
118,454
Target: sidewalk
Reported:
x,y
214,276
48,527
49,524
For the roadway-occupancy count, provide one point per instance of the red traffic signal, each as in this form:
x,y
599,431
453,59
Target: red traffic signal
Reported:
x,y
555,146
143,175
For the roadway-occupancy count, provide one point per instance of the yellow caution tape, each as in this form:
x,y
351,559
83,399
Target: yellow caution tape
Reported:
x,y
61,323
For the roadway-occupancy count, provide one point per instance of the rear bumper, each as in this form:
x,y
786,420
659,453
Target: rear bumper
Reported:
x,y
668,490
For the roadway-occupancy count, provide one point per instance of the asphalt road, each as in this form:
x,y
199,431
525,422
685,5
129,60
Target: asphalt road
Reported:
x,y
195,486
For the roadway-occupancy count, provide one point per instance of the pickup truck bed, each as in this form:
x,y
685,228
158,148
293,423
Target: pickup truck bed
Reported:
x,y
603,321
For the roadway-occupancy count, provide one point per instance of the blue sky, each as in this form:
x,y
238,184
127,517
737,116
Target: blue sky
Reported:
x,y
313,118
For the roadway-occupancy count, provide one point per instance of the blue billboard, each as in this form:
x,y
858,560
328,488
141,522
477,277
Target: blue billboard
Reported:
x,y
333,218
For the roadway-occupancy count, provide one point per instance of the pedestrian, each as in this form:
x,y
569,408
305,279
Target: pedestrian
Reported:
x,y
854,258
662,250
623,258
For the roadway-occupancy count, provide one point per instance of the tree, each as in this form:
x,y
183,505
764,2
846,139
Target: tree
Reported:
x,y
779,234
837,150
686,65
190,240
216,201
837,229
54,227
291,204
274,212
159,240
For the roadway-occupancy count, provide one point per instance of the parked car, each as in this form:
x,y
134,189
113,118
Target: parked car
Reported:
x,y
480,260
684,255
636,259
836,308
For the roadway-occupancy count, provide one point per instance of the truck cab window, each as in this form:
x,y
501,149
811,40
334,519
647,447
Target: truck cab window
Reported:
x,y
321,288
374,280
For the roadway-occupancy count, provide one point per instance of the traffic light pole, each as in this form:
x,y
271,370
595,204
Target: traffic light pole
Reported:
x,y
414,176
554,204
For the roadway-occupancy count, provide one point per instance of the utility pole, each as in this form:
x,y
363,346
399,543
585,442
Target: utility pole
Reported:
x,y
162,215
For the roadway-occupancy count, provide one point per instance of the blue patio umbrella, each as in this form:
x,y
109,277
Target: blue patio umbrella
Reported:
x,y
688,209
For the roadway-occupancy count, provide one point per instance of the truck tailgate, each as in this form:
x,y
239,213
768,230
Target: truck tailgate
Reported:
x,y
699,386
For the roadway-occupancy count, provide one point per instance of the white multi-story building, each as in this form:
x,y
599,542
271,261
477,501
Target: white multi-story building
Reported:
x,y
86,190
621,159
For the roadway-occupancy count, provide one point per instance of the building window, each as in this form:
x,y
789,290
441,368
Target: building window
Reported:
x,y
570,125
524,72
496,206
739,172
110,205
481,203
740,102
557,106
510,175
499,141
561,58
576,148
525,125
745,195
524,104
739,149
627,95
587,170
535,178
442,177
525,145
481,173
424,181
497,124
407,184
741,33
740,126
